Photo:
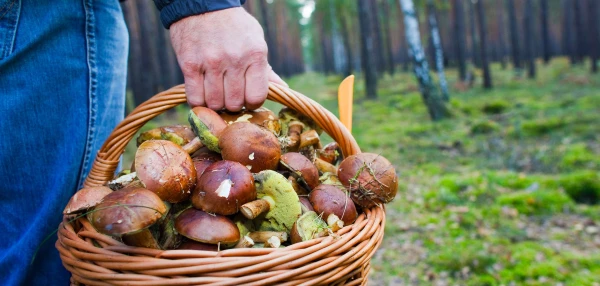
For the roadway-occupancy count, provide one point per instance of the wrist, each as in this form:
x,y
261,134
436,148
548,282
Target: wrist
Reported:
x,y
172,11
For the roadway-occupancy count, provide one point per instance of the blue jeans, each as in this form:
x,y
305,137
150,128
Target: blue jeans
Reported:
x,y
62,91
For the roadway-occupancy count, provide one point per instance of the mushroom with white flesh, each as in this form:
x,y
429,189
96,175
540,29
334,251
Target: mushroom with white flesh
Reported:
x,y
329,199
251,145
277,199
261,116
127,211
301,168
370,178
207,125
207,228
85,199
223,188
166,169
245,242
307,227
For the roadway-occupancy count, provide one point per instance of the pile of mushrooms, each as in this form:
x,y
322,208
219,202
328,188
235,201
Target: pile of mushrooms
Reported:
x,y
231,180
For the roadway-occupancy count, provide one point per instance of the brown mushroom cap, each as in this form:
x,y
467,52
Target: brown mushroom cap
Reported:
x,y
166,169
203,227
211,119
223,188
258,116
370,178
329,199
300,167
126,211
252,146
86,198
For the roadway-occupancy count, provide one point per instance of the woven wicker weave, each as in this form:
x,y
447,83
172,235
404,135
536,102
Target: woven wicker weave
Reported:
x,y
97,259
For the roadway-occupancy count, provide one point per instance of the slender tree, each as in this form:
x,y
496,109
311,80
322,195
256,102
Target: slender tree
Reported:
x,y
270,35
366,49
594,37
579,29
460,38
347,47
529,38
377,39
437,46
487,78
434,102
150,66
514,34
501,34
474,54
388,36
545,32
568,37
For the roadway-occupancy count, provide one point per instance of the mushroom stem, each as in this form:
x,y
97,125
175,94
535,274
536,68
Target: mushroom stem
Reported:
x,y
325,167
193,145
264,236
272,242
309,138
334,222
245,242
254,208
124,181
294,131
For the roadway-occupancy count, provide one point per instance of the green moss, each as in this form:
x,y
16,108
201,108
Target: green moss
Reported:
x,y
543,126
495,107
578,156
582,187
468,253
484,127
539,202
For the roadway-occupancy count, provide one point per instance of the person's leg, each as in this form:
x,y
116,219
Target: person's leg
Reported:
x,y
62,85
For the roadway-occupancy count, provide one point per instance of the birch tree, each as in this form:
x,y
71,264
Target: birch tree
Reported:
x,y
437,46
431,97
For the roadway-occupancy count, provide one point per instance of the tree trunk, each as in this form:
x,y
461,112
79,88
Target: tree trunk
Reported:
x,y
366,49
270,35
487,78
594,37
529,38
347,47
437,46
568,42
501,35
579,30
379,51
388,37
545,32
150,72
474,54
460,39
514,35
434,102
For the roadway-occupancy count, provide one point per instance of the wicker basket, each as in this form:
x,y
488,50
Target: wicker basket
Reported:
x,y
97,259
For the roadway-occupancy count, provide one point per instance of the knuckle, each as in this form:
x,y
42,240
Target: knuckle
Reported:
x,y
189,68
213,62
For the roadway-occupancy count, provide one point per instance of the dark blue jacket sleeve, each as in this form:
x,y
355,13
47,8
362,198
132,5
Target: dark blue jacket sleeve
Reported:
x,y
172,11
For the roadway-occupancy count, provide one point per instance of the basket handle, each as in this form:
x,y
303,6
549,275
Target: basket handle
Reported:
x,y
107,159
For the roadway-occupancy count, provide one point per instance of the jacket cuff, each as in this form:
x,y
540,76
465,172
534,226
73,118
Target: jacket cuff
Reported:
x,y
172,11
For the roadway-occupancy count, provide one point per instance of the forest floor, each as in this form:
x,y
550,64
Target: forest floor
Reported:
x,y
506,192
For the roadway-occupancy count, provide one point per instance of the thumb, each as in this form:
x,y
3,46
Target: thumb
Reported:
x,y
273,77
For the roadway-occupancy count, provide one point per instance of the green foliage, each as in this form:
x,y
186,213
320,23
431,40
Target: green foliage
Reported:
x,y
538,202
484,127
582,187
468,253
543,126
495,107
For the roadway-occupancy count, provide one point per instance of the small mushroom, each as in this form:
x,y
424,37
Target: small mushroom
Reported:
x,y
370,178
301,168
309,138
223,188
207,125
282,206
178,134
307,227
272,242
330,153
127,211
245,242
85,199
166,169
207,228
263,236
252,146
329,199
324,167
261,116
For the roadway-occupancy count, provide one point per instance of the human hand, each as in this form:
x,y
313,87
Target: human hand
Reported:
x,y
223,57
